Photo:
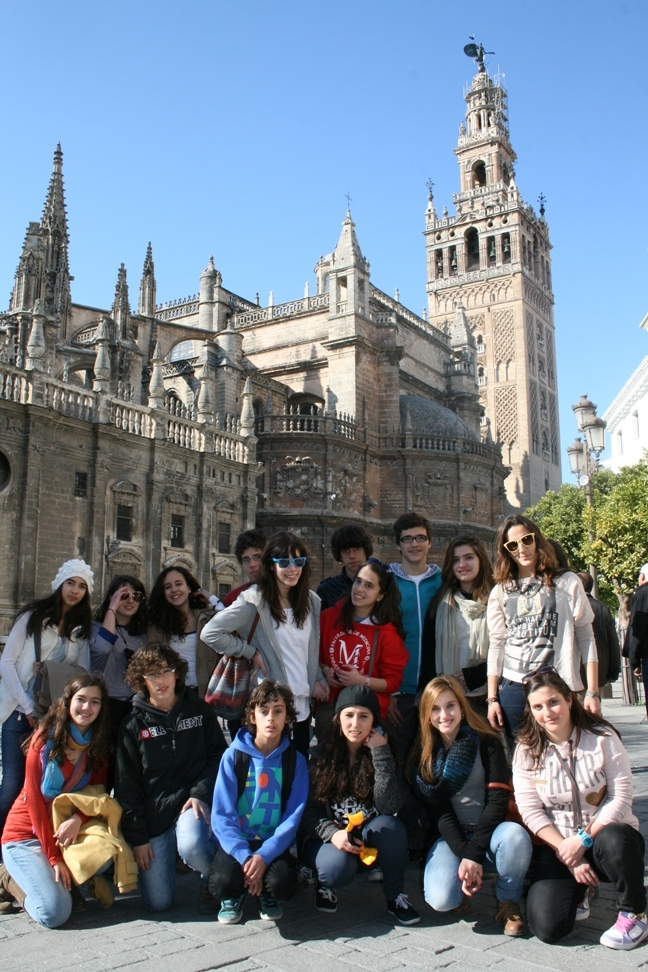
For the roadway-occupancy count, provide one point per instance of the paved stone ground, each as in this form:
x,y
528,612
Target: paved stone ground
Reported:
x,y
361,936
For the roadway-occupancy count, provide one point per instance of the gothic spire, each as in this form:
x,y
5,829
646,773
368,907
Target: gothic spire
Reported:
x,y
121,306
147,291
54,218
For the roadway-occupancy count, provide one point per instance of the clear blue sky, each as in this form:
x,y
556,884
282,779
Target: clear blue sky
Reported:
x,y
236,128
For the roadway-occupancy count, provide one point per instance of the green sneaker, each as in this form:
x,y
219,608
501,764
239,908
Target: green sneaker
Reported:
x,y
269,909
231,910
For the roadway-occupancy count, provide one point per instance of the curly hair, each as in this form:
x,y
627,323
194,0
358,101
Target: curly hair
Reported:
x,y
49,611
506,570
532,737
428,735
139,622
269,690
149,657
249,538
336,778
56,723
386,610
164,616
285,544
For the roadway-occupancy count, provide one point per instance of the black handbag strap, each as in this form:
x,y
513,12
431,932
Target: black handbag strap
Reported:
x,y
253,627
37,642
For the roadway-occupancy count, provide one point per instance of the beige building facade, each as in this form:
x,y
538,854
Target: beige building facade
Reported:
x,y
141,434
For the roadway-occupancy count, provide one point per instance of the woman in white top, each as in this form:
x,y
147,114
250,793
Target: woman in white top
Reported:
x,y
538,615
178,610
57,628
285,641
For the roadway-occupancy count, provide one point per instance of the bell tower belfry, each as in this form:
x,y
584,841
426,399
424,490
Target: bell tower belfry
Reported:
x,y
493,256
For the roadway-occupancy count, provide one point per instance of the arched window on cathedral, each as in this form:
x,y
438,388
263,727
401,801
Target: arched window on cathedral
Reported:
x,y
481,347
438,264
506,247
308,408
479,174
481,375
491,251
472,249
545,445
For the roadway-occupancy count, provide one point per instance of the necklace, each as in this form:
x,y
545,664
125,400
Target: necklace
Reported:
x,y
529,593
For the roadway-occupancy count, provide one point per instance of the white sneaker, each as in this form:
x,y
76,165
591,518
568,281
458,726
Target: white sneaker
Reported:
x,y
375,875
627,932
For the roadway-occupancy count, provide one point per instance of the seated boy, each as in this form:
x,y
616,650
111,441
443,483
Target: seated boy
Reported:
x,y
259,799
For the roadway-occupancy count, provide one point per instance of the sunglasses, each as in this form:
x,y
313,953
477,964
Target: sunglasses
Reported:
x,y
285,562
526,541
545,670
136,596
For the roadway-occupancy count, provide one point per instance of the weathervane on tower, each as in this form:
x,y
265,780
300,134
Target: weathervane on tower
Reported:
x,y
477,52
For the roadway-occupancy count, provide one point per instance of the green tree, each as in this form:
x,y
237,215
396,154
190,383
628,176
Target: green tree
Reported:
x,y
613,533
619,525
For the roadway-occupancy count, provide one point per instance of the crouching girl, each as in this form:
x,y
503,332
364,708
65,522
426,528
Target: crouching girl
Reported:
x,y
258,803
67,752
464,783
354,773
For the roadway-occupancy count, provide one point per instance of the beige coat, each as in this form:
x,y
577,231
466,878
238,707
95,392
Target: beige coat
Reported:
x,y
100,838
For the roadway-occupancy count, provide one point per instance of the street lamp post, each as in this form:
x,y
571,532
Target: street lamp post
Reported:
x,y
584,456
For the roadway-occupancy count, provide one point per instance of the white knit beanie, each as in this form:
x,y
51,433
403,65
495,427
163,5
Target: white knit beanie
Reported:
x,y
74,568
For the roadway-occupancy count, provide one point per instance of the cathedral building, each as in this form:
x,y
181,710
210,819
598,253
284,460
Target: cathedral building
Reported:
x,y
139,438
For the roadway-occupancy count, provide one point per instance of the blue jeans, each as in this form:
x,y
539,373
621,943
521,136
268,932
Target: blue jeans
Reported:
x,y
46,901
14,729
196,846
336,868
513,702
509,857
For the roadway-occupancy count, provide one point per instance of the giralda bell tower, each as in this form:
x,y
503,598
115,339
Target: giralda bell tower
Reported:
x,y
494,258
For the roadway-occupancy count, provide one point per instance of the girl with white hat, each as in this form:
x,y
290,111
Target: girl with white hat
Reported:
x,y
56,628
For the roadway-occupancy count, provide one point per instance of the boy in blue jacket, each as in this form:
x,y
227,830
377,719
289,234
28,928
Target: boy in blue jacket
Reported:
x,y
259,799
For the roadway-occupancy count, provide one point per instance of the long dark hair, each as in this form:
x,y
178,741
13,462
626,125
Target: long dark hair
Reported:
x,y
532,737
483,583
285,545
336,778
49,610
506,570
139,622
56,723
164,616
386,610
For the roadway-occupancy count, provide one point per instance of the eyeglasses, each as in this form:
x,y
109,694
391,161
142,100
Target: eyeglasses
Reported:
x,y
164,673
254,559
284,562
420,538
526,541
545,670
136,596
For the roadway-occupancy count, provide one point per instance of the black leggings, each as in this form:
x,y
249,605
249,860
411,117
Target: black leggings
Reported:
x,y
617,857
226,878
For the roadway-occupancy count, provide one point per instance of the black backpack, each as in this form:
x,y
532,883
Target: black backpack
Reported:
x,y
288,763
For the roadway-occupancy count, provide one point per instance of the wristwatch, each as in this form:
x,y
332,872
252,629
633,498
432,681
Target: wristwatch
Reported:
x,y
592,695
585,839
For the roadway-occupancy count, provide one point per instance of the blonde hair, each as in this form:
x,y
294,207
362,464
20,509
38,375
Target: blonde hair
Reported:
x,y
429,735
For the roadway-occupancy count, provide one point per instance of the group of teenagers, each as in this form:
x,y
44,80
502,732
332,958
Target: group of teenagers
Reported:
x,y
456,714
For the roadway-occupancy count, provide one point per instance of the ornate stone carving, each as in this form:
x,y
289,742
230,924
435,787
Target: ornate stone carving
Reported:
x,y
299,476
